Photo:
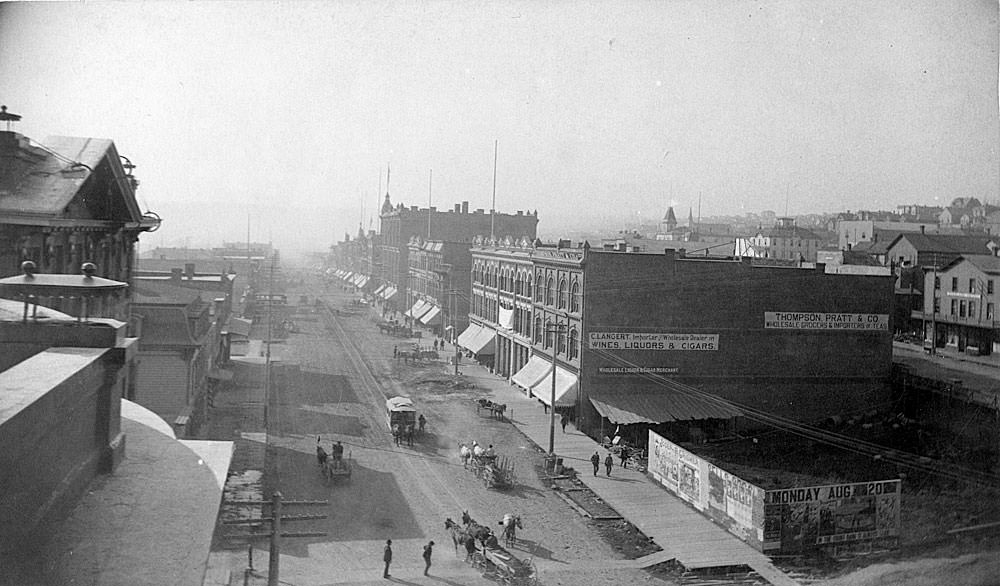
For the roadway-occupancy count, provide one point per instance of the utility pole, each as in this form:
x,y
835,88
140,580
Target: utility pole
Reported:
x,y
275,533
554,329
454,338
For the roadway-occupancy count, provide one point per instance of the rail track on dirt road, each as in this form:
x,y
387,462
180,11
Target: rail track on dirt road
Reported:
x,y
418,465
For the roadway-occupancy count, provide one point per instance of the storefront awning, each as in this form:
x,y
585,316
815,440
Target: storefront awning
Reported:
x,y
389,293
417,310
378,292
532,372
432,317
362,281
659,405
484,342
566,387
470,333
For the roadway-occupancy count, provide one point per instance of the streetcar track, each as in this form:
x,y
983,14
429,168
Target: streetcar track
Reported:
x,y
369,381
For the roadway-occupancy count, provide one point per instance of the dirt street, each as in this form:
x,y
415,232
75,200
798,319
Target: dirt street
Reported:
x,y
331,381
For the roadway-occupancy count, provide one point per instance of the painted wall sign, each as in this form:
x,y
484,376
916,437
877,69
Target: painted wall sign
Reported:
x,y
652,341
792,320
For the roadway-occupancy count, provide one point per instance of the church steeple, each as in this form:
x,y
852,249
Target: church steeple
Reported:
x,y
669,221
386,205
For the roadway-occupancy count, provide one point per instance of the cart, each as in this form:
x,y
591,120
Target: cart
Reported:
x,y
505,567
495,471
334,470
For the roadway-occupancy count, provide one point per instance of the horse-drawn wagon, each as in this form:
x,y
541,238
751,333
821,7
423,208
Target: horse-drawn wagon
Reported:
x,y
494,471
484,551
496,410
335,469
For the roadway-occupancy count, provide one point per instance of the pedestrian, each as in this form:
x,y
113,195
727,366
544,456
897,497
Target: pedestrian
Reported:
x,y
563,422
608,463
596,461
428,549
395,352
387,557
624,456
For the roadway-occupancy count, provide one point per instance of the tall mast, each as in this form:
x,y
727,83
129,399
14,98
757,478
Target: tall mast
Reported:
x,y
430,180
493,206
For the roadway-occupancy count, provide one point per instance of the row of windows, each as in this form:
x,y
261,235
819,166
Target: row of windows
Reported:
x,y
568,343
975,285
519,282
961,308
559,296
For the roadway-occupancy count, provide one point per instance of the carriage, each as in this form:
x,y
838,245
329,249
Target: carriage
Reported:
x,y
335,469
496,410
494,471
486,554
401,416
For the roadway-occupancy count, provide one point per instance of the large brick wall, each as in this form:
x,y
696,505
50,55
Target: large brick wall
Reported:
x,y
799,373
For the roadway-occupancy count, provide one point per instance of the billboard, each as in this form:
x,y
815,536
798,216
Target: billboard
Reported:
x,y
792,320
786,520
652,341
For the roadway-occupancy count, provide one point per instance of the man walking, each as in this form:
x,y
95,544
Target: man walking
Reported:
x,y
563,422
387,557
428,550
608,463
624,456
596,461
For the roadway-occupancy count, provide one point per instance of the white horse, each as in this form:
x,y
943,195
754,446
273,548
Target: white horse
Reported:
x,y
464,453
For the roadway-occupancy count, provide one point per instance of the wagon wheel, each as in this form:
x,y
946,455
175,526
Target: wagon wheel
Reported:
x,y
478,560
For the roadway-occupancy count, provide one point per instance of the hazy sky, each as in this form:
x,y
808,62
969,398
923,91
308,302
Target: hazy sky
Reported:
x,y
605,112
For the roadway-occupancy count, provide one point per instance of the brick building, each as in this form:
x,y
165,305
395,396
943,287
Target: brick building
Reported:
x,y
439,284
399,224
962,311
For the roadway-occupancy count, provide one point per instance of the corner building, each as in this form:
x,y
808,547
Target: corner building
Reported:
x,y
797,342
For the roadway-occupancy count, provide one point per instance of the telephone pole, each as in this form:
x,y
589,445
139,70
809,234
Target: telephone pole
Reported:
x,y
275,533
555,329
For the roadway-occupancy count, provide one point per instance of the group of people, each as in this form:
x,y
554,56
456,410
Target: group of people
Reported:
x,y
609,460
466,452
336,452
387,557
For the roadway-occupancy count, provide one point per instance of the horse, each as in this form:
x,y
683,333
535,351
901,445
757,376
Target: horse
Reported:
x,y
498,409
397,434
511,523
464,454
458,534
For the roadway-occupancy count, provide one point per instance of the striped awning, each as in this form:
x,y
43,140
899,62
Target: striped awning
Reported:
x,y
432,316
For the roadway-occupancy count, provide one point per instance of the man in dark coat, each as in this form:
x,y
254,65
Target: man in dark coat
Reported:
x,y
428,550
608,463
596,461
387,557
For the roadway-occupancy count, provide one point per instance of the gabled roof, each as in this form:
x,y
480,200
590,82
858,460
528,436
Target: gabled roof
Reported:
x,y
35,182
985,262
953,243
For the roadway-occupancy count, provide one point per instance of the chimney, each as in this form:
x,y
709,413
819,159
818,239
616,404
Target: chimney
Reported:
x,y
480,210
189,270
922,228
175,274
465,207
433,209
458,208
520,212
414,208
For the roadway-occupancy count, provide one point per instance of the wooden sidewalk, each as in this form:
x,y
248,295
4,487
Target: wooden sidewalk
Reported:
x,y
684,534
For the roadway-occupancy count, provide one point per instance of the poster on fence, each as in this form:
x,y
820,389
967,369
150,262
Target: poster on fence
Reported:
x,y
737,505
797,519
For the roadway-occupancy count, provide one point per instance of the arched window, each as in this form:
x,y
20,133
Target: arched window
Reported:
x,y
518,283
550,291
561,341
548,334
539,287
575,292
562,294
538,330
574,344
528,287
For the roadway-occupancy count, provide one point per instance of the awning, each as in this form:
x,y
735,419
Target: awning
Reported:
x,y
378,291
399,404
470,333
566,387
432,317
484,342
417,310
348,276
220,374
506,318
362,281
532,372
658,406
389,293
